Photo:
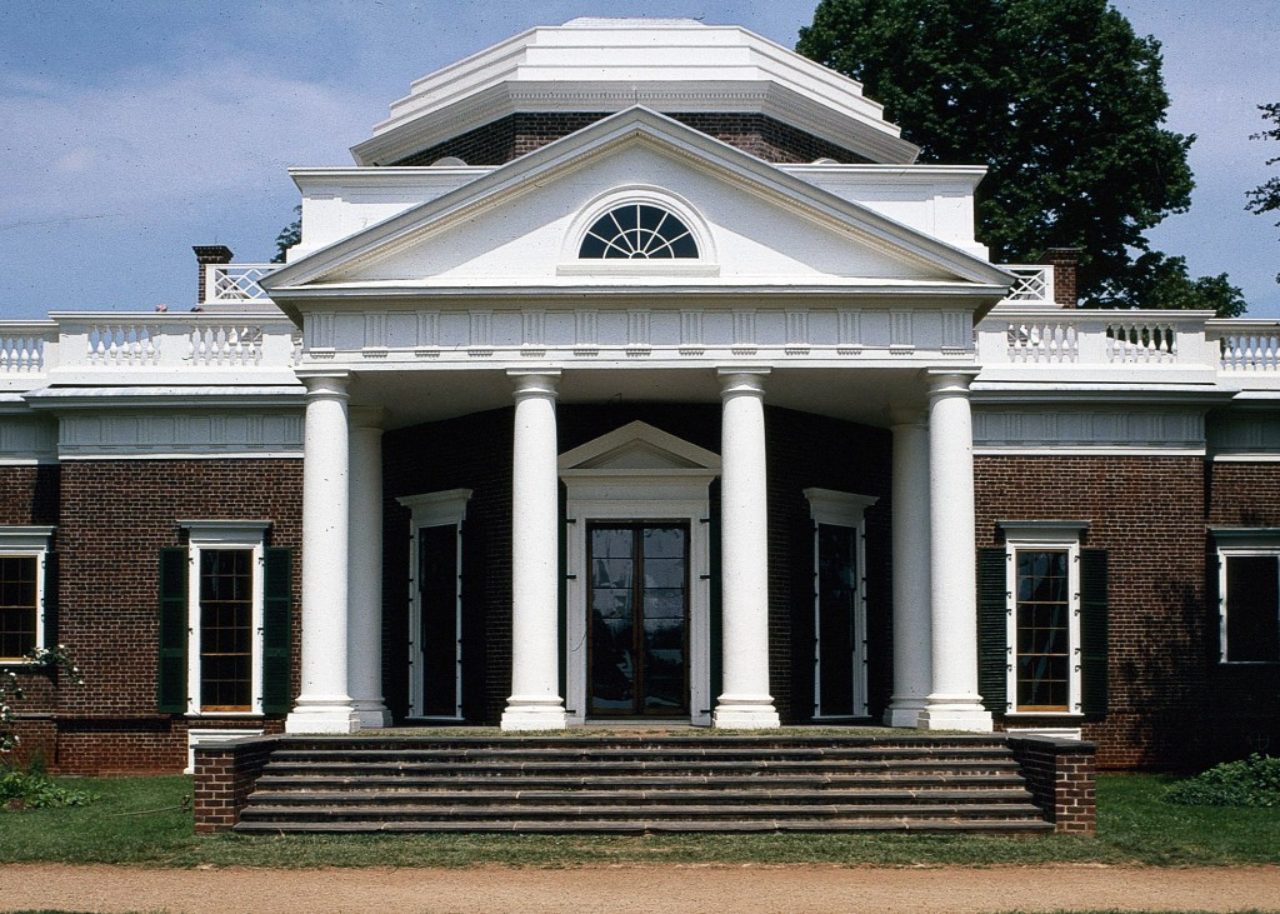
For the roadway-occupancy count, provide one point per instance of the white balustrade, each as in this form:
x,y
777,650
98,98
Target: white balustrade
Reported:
x,y
223,344
1141,342
1247,346
236,283
22,347
123,344
1043,341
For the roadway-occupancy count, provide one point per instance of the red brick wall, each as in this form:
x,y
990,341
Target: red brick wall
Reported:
x,y
508,138
115,516
1149,514
1060,775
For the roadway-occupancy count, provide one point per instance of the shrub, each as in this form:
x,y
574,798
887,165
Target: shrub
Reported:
x,y
1254,781
36,790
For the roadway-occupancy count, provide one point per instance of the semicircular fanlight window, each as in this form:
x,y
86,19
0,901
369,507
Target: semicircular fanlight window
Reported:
x,y
638,231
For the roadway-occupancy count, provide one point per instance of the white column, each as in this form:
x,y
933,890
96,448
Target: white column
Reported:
x,y
953,703
364,586
324,705
912,644
744,555
535,702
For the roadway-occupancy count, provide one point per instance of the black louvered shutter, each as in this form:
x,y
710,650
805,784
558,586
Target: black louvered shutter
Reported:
x,y
51,599
993,632
276,630
1093,632
171,671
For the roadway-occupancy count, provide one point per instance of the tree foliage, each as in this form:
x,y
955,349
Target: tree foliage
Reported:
x,y
1265,198
1062,102
290,235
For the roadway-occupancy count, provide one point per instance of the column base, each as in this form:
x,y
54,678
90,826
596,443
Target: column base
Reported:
x,y
322,716
904,712
741,713
371,712
955,712
534,714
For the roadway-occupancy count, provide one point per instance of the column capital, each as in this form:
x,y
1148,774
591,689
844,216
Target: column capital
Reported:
x,y
740,381
328,382
371,417
903,415
949,382
542,382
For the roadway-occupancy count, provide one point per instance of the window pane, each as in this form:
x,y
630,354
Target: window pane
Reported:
x,y
638,231
1043,639
226,629
1253,594
18,605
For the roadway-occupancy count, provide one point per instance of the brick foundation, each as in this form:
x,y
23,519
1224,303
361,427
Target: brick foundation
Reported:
x,y
225,773
1060,776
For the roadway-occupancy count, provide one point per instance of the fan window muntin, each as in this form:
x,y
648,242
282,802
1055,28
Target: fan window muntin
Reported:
x,y
638,231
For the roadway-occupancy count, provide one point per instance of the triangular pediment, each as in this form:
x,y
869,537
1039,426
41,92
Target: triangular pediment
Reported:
x,y
512,228
638,447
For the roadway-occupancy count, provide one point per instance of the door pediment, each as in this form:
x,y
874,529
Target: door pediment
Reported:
x,y
638,448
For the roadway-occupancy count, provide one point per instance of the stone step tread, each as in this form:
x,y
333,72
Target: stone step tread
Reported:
x,y
648,826
631,795
338,781
659,762
711,750
641,738
655,811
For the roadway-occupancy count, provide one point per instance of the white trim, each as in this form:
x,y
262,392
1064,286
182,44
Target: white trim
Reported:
x,y
1246,458
212,454
1053,732
841,509
1043,536
678,494
29,542
446,508
1077,451
1241,542
216,535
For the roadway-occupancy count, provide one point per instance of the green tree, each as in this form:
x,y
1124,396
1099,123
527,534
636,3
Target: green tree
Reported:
x,y
290,235
1265,198
1062,102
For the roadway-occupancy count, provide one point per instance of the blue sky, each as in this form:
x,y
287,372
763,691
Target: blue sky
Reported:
x,y
133,129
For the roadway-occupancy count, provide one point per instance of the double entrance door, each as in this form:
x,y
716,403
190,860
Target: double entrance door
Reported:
x,y
638,627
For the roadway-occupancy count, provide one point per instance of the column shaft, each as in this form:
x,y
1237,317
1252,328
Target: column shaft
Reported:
x,y
744,574
324,706
953,703
912,644
364,602
535,702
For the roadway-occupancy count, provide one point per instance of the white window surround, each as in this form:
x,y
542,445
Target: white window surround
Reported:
x,y
1035,536
432,509
842,509
705,264
638,472
1240,542
29,542
216,535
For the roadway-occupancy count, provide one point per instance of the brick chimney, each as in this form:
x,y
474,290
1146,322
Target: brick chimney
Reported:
x,y
207,254
1066,264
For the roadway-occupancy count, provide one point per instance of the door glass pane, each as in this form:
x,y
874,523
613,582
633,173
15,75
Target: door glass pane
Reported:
x,y
837,598
226,629
438,602
1043,604
639,606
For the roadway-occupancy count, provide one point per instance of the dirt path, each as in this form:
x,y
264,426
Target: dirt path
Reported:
x,y
635,890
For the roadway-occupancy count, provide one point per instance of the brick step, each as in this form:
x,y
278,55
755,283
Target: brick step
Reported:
x,y
771,780
342,798
401,743
638,826
602,812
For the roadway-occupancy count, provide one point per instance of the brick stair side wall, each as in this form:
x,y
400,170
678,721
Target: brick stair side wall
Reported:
x,y
1060,774
225,774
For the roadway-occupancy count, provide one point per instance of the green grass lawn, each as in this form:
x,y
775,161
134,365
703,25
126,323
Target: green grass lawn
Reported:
x,y
141,820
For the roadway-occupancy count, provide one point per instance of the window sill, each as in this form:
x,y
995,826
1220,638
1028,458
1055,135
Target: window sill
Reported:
x,y
219,715
1249,663
1056,715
